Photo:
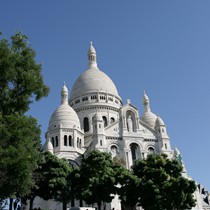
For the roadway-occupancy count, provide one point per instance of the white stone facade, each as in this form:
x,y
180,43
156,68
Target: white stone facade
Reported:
x,y
94,117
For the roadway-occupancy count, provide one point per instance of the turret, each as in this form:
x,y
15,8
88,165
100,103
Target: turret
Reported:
x,y
163,138
64,130
99,139
160,127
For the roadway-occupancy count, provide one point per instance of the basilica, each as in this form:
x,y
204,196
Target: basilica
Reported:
x,y
93,116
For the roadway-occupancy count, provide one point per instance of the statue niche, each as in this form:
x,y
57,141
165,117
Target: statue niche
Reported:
x,y
130,124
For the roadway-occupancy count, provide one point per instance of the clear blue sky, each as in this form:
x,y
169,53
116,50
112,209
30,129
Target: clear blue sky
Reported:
x,y
161,46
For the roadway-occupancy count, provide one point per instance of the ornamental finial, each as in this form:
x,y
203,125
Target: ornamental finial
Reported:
x,y
92,56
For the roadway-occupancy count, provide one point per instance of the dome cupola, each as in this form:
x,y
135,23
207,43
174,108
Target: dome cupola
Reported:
x,y
94,86
64,115
48,146
148,117
92,56
159,122
64,94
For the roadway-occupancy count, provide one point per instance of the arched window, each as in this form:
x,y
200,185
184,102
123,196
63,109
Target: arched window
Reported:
x,y
151,151
70,141
105,121
86,124
65,140
80,143
134,151
114,150
56,141
77,142
53,142
112,120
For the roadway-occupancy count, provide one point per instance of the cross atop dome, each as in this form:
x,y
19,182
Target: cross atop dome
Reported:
x,y
92,56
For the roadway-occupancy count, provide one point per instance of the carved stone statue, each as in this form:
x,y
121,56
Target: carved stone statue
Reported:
x,y
130,123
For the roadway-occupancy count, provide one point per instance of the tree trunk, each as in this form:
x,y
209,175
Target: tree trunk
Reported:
x,y
127,207
64,205
99,205
31,203
72,201
10,203
80,203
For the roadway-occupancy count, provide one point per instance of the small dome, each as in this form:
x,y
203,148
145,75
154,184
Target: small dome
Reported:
x,y
48,146
159,122
149,118
64,115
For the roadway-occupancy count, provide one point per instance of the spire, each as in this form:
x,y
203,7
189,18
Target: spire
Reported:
x,y
145,102
64,94
92,56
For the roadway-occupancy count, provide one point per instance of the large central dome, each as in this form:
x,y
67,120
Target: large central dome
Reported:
x,y
93,81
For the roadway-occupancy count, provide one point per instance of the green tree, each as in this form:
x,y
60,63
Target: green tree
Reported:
x,y
21,84
128,187
19,152
95,179
21,81
52,179
162,185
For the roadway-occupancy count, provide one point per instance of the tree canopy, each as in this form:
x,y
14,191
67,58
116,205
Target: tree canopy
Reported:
x,y
51,179
21,80
21,83
162,185
19,152
96,179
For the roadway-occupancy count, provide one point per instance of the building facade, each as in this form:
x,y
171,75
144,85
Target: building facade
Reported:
x,y
93,116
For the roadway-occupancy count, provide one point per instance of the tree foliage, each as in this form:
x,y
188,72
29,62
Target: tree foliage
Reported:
x,y
162,185
21,83
128,188
19,152
95,179
51,179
